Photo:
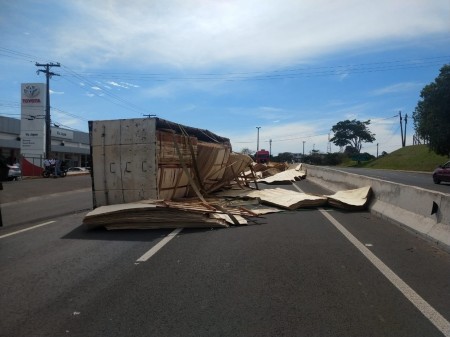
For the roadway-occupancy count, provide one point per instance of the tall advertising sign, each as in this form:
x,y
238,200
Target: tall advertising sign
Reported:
x,y
32,124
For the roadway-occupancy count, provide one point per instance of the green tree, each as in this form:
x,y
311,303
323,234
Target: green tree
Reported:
x,y
352,133
432,113
247,151
284,156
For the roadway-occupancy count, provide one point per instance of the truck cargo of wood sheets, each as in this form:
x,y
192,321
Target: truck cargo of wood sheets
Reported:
x,y
151,158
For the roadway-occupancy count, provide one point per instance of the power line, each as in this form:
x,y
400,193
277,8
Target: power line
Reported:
x,y
280,74
381,66
15,105
114,98
122,102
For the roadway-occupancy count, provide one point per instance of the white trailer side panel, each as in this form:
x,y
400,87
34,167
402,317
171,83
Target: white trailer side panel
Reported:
x,y
124,161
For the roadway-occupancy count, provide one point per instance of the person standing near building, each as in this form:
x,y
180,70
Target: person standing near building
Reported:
x,y
53,166
57,167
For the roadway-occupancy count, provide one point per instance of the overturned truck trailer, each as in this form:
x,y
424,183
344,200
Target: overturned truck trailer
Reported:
x,y
152,158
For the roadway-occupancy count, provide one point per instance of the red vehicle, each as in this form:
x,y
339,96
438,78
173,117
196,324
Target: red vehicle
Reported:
x,y
442,173
262,156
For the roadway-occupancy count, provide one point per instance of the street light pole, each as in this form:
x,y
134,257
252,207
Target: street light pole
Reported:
x,y
270,148
257,139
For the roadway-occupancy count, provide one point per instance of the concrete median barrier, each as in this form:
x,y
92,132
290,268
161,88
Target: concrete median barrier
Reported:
x,y
423,211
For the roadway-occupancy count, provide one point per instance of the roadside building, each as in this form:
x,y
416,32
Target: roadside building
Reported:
x,y
68,145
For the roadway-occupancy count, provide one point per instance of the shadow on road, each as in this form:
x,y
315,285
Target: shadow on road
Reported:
x,y
102,234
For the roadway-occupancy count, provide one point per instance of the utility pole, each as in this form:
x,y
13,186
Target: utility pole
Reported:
x,y
401,125
270,148
377,149
304,148
48,131
329,145
403,132
257,139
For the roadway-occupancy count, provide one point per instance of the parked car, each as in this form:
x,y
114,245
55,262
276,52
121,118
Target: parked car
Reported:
x,y
77,170
442,173
14,172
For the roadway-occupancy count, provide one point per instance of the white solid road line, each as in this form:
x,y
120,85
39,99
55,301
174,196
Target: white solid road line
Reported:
x,y
159,245
26,229
427,310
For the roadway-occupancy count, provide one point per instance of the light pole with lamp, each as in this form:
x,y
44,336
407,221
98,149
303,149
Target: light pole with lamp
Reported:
x,y
257,139
304,148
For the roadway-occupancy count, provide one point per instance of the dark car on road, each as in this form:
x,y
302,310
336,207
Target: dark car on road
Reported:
x,y
442,173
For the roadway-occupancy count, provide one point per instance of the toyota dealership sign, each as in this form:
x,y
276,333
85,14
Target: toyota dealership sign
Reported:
x,y
32,123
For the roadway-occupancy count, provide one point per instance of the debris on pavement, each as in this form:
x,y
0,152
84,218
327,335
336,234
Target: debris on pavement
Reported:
x,y
279,197
287,176
151,173
151,214
351,200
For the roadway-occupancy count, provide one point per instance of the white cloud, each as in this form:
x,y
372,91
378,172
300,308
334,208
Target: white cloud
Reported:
x,y
56,92
245,34
398,88
285,137
289,137
124,85
161,91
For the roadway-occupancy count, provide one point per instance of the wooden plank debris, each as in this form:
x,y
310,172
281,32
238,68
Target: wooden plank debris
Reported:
x,y
219,211
151,214
147,216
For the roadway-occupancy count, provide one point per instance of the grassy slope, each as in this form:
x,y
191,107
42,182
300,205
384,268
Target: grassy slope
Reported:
x,y
410,158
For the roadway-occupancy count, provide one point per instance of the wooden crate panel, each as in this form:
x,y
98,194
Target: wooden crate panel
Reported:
x,y
173,182
166,151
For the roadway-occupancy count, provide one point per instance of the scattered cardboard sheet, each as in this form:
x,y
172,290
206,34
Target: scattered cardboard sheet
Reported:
x,y
151,214
219,211
356,199
279,197
284,177
142,216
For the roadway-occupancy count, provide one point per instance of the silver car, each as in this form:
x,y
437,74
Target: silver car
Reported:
x,y
14,172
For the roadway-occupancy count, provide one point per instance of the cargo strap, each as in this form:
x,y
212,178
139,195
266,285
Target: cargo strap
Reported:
x,y
197,191
191,181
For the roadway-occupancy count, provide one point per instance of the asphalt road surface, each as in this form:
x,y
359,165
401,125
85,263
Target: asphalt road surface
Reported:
x,y
317,272
419,179
31,200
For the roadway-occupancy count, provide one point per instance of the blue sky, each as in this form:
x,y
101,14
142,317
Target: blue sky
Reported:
x,y
294,68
